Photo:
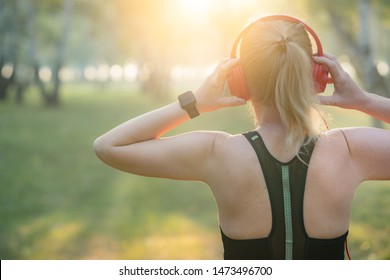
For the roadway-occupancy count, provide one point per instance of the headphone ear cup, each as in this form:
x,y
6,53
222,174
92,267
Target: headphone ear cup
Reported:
x,y
237,84
320,76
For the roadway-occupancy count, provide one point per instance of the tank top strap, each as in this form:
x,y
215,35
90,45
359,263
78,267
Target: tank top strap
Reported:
x,y
285,182
262,152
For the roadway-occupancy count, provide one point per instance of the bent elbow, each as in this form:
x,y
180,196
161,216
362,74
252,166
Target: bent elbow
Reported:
x,y
111,155
101,149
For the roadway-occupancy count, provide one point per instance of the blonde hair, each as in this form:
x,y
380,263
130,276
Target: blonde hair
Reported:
x,y
276,57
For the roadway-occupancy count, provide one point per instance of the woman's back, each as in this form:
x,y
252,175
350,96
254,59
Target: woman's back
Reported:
x,y
242,196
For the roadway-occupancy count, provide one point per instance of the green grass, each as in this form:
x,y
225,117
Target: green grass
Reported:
x,y
58,201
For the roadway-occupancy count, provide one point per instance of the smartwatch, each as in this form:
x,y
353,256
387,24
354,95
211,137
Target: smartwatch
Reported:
x,y
188,102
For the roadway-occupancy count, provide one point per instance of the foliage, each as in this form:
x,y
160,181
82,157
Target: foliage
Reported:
x,y
159,34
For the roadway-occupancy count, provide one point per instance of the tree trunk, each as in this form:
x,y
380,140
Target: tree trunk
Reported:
x,y
8,52
54,99
51,97
31,50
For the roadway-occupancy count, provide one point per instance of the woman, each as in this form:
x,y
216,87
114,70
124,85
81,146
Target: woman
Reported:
x,y
296,203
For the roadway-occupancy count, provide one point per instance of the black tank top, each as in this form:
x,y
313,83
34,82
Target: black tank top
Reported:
x,y
288,238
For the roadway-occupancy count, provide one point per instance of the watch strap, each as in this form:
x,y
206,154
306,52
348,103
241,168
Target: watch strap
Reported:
x,y
192,111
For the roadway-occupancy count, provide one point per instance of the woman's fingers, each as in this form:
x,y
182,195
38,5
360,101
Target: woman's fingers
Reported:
x,y
224,68
331,64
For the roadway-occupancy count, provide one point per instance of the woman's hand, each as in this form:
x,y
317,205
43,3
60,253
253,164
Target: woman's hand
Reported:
x,y
210,96
346,93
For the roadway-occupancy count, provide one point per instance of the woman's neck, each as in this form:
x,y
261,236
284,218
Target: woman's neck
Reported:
x,y
273,132
268,116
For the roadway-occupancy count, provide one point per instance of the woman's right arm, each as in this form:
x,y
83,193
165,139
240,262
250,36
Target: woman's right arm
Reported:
x,y
369,148
376,106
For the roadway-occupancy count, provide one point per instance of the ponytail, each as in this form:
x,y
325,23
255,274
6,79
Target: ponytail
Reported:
x,y
294,96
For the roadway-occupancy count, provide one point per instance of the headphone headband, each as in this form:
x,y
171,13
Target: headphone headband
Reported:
x,y
278,17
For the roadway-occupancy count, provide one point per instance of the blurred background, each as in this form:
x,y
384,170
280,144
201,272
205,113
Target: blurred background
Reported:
x,y
72,69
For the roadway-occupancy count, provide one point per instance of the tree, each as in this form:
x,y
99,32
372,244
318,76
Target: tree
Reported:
x,y
50,96
27,39
9,42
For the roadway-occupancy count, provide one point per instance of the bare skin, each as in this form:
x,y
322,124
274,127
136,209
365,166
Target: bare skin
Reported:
x,y
341,161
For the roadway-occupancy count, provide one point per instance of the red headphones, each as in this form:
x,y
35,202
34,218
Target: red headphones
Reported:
x,y
236,79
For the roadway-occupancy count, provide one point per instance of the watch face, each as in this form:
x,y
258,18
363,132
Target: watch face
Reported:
x,y
187,98
188,102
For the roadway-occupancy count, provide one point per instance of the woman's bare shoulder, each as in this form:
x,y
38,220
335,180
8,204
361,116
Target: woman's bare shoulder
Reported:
x,y
364,149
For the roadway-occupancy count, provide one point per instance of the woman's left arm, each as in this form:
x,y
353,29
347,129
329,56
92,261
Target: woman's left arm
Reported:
x,y
136,147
